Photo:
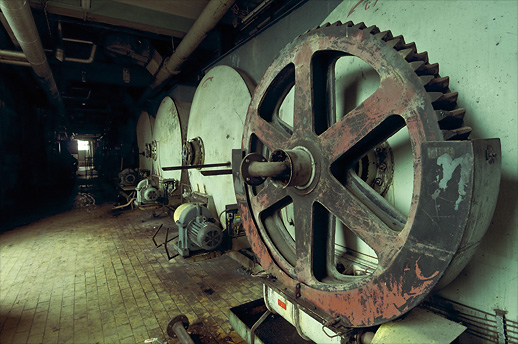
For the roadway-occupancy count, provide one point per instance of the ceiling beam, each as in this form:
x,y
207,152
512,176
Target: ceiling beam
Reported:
x,y
119,14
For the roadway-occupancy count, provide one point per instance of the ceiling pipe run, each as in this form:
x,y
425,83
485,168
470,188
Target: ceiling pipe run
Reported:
x,y
211,15
19,16
16,58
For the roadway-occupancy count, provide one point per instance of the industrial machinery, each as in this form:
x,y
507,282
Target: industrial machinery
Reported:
x,y
167,148
128,177
146,193
197,229
309,180
144,139
215,128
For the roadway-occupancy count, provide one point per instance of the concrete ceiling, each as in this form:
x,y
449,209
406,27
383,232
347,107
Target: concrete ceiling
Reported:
x,y
171,18
112,48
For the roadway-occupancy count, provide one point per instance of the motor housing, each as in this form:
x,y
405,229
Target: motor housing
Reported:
x,y
128,177
146,193
197,229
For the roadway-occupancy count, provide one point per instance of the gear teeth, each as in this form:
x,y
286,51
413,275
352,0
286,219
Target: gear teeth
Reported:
x,y
337,23
409,46
349,23
384,35
393,42
396,42
323,25
457,113
447,101
406,53
450,119
435,96
438,84
359,26
417,65
372,29
421,57
457,134
425,79
427,69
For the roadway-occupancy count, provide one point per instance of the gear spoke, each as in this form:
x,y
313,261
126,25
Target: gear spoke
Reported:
x,y
304,111
361,121
270,135
266,198
375,202
357,216
304,237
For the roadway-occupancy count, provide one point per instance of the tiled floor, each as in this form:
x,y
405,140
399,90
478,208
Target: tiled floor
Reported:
x,y
87,276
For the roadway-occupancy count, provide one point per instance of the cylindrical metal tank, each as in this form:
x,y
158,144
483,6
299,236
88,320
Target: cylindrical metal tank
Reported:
x,y
144,136
168,136
217,115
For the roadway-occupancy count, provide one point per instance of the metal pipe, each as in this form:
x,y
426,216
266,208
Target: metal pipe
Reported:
x,y
19,17
12,57
267,169
177,327
256,11
90,59
211,15
174,168
11,53
183,336
15,62
60,50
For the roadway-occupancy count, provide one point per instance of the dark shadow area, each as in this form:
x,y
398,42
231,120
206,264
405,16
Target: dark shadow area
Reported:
x,y
32,205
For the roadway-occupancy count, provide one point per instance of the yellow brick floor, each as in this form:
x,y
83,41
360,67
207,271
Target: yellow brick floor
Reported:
x,y
87,276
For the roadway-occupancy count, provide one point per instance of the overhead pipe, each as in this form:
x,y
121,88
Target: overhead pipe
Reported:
x,y
210,16
14,62
60,50
13,58
11,53
18,15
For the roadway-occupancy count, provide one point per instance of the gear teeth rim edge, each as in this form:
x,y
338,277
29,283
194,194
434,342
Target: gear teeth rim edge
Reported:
x,y
443,99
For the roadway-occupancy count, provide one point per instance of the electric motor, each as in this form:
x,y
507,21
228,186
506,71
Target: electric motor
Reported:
x,y
150,194
197,229
146,193
204,234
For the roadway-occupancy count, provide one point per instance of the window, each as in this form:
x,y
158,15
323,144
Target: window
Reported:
x,y
83,145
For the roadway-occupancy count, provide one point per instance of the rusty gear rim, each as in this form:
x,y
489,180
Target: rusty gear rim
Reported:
x,y
410,93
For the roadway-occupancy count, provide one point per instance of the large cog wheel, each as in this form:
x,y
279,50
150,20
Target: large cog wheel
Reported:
x,y
313,171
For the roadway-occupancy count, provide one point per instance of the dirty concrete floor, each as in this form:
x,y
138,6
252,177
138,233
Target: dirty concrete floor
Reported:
x,y
87,276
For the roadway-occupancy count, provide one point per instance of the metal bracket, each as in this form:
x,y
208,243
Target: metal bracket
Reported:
x,y
169,256
257,324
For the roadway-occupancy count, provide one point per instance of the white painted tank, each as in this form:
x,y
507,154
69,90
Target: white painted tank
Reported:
x,y
144,135
217,115
168,135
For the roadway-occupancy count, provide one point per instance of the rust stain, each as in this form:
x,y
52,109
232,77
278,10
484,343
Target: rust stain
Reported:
x,y
420,275
204,85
